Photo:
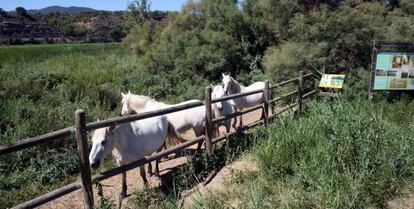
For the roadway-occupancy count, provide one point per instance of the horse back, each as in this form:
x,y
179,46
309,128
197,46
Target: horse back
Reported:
x,y
142,138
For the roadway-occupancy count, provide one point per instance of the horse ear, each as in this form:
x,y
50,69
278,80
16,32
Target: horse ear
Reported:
x,y
129,92
222,74
97,120
123,95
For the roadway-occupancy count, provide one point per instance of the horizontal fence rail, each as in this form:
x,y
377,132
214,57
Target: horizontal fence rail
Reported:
x,y
38,201
290,81
145,115
235,114
31,142
233,96
284,96
81,139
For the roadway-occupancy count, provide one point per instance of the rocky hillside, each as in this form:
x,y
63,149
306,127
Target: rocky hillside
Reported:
x,y
61,27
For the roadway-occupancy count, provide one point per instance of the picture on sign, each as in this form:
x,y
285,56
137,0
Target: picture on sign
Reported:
x,y
394,71
335,81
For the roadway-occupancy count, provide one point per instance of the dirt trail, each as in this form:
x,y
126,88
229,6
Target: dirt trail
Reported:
x,y
112,186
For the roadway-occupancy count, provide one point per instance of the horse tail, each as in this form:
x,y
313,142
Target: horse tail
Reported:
x,y
173,136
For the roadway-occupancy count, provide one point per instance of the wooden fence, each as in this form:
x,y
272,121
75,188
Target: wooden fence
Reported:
x,y
81,128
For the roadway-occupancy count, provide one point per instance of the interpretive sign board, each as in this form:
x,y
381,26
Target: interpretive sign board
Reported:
x,y
392,66
394,71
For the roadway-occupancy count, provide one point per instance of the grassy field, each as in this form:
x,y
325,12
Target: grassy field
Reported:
x,y
41,87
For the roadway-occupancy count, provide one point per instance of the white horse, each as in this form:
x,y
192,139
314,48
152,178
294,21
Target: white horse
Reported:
x,y
231,86
193,118
129,142
223,108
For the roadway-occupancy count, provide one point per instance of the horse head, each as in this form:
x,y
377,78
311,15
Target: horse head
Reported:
x,y
125,100
102,144
218,92
227,82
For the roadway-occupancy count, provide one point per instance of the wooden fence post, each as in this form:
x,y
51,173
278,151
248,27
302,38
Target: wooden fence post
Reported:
x,y
266,95
300,91
209,125
81,140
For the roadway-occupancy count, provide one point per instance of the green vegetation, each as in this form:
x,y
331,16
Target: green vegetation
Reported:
x,y
339,154
41,88
346,153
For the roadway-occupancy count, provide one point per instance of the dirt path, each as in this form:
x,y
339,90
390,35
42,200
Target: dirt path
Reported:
x,y
219,183
112,186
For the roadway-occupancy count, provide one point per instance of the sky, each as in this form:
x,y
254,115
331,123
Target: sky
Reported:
x,y
170,5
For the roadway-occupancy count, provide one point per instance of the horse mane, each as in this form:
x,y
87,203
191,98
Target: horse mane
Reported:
x,y
140,103
235,86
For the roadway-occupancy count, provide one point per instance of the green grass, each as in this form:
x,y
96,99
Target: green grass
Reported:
x,y
339,154
42,86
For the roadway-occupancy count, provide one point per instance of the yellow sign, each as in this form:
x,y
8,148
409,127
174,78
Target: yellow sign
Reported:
x,y
332,81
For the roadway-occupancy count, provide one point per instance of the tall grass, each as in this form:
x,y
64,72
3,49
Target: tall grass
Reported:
x,y
339,154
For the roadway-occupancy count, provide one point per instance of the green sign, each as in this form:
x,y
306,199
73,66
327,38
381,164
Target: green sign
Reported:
x,y
394,71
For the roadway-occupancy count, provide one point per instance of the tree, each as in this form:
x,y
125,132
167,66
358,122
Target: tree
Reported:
x,y
3,13
21,11
138,11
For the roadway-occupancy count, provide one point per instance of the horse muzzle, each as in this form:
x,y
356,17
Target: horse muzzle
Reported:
x,y
95,165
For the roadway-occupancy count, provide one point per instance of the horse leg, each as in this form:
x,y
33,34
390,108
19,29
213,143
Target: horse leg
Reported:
x,y
241,121
235,118
142,173
157,162
122,195
227,125
198,132
150,173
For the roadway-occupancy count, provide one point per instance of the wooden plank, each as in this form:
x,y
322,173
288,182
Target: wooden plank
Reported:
x,y
38,201
283,83
30,142
235,114
284,110
149,114
329,94
300,91
284,96
85,170
266,96
309,94
208,124
291,81
246,127
236,95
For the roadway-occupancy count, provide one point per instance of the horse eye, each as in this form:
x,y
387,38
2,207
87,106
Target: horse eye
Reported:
x,y
103,143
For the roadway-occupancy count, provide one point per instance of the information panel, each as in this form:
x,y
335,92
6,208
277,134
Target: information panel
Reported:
x,y
335,81
394,71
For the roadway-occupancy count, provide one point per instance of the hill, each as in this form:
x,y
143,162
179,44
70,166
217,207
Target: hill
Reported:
x,y
68,10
